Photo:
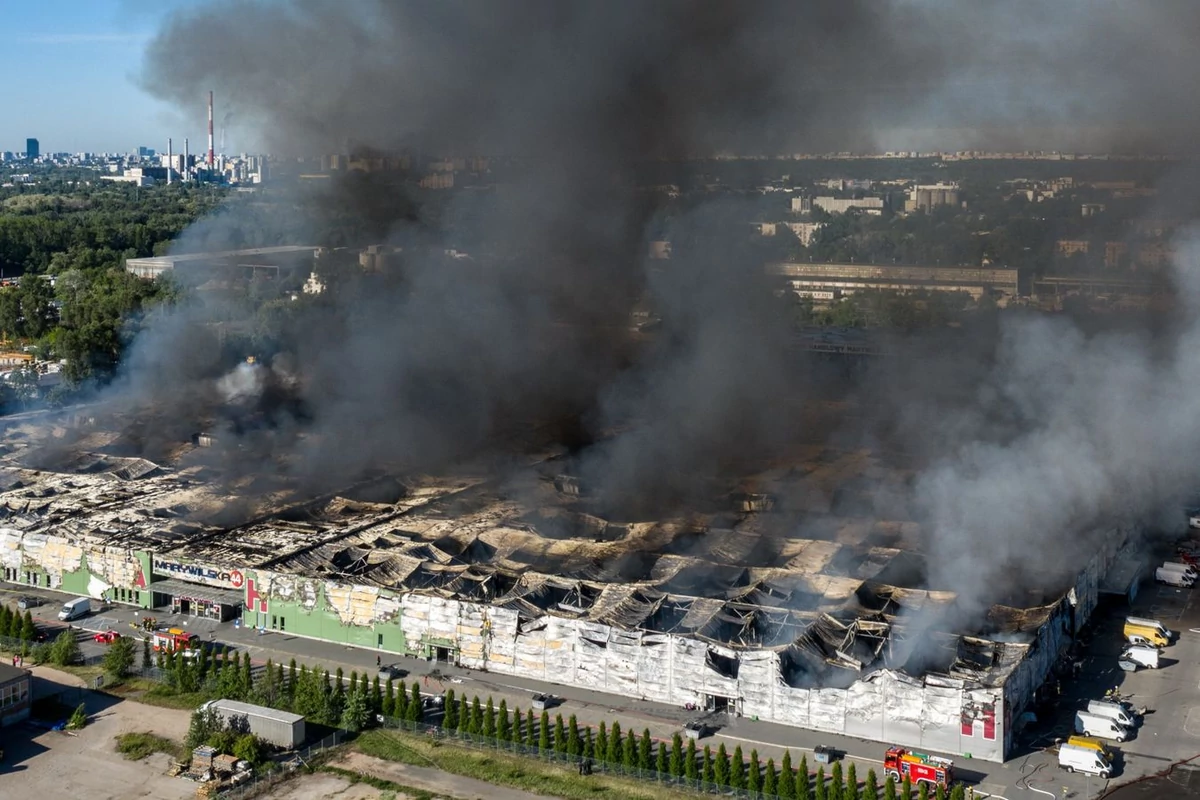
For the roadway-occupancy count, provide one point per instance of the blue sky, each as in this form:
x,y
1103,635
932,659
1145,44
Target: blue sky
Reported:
x,y
70,77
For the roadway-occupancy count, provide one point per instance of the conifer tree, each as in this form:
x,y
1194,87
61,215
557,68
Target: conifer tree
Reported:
x,y
544,733
588,750
958,792
613,754
503,725
737,769
464,715
754,775
851,792
389,699
645,748
939,792
489,719
770,783
689,761
706,768
675,762
871,787
416,709
574,743
906,788
514,729
560,735
803,780
629,749
376,694
819,789
660,760
530,729
889,788
922,791
787,778
476,723
601,746
721,767
836,782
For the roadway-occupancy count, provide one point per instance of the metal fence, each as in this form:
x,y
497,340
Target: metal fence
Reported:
x,y
552,755
281,771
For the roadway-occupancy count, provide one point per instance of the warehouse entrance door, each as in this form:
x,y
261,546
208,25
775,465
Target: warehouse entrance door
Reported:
x,y
443,654
719,703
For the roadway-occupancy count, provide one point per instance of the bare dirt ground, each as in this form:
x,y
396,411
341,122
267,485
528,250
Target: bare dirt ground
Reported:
x,y
320,786
48,765
431,780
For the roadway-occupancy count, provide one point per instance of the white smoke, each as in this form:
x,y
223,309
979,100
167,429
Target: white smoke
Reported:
x,y
1071,435
244,384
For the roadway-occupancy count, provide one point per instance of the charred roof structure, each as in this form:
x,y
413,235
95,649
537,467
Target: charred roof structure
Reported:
x,y
764,606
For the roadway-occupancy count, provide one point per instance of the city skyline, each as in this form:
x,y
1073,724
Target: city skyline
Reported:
x,y
77,72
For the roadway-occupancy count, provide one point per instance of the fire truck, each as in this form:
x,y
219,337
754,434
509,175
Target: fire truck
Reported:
x,y
918,767
168,640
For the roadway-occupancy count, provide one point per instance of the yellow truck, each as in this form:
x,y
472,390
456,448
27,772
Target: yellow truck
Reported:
x,y
1153,631
1091,743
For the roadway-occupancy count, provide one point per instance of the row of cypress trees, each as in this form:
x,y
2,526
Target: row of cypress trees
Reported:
x,y
644,756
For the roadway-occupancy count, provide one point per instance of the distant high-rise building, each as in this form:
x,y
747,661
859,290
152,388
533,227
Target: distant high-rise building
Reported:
x,y
32,150
146,152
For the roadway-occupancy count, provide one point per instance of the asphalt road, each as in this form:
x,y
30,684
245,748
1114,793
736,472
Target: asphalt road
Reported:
x,y
1170,733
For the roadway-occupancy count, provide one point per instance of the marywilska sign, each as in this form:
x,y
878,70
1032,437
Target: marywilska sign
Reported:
x,y
199,573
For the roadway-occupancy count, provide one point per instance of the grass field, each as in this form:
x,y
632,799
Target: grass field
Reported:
x,y
136,746
504,769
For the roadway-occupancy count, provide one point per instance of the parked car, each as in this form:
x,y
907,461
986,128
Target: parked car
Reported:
x,y
106,637
26,603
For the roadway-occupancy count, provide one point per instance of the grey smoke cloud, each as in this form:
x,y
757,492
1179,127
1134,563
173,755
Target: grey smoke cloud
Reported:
x,y
1063,429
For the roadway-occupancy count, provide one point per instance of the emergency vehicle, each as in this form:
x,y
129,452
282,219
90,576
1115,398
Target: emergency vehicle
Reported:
x,y
168,640
918,767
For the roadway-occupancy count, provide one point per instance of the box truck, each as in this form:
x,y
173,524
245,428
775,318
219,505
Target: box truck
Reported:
x,y
1103,727
1083,759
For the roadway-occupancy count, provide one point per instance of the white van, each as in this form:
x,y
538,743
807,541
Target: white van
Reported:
x,y
1142,655
1102,727
1142,622
1083,759
1179,566
1170,577
74,609
1112,711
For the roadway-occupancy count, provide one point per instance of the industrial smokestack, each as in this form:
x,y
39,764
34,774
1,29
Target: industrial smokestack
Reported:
x,y
170,161
210,129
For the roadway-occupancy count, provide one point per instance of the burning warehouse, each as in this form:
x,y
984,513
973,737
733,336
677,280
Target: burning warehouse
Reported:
x,y
727,610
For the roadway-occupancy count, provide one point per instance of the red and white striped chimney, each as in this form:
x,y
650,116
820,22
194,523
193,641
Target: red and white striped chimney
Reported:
x,y
210,130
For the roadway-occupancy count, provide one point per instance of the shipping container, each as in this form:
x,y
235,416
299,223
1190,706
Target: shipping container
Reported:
x,y
280,728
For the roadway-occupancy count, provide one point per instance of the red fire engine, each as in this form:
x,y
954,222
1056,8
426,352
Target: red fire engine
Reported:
x,y
168,640
898,763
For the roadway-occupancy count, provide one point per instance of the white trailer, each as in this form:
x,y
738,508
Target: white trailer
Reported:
x,y
280,728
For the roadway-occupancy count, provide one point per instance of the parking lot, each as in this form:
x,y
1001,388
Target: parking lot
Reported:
x,y
41,763
1170,732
